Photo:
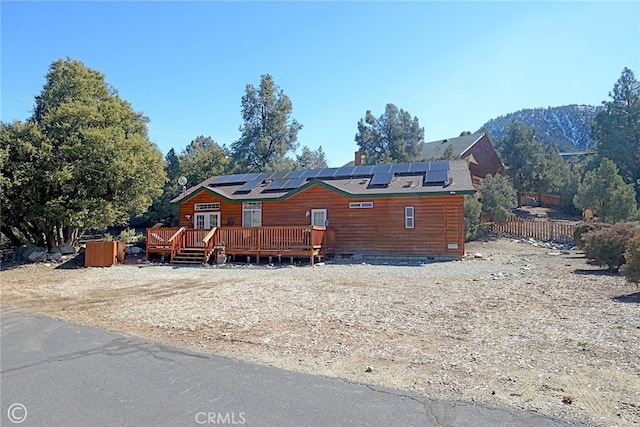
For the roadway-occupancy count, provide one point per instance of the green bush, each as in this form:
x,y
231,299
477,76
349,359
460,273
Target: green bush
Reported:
x,y
582,229
497,197
130,236
472,210
606,247
631,268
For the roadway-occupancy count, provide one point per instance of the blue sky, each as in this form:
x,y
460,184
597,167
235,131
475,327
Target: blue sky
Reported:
x,y
454,65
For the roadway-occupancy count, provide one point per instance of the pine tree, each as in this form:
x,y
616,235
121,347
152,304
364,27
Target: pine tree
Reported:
x,y
268,132
394,137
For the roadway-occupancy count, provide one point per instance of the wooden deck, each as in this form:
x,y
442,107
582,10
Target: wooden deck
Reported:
x,y
294,241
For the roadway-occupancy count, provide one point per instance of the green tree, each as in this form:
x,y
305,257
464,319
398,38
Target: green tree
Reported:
x,y
202,159
616,129
472,219
162,210
497,196
311,159
82,160
523,158
604,191
394,137
631,268
268,132
569,188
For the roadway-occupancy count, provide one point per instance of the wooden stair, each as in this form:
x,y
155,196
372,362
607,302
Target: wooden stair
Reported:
x,y
189,256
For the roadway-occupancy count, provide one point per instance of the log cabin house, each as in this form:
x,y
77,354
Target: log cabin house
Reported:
x,y
476,148
398,210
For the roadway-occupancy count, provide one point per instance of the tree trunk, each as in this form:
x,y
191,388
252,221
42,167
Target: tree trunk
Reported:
x,y
9,233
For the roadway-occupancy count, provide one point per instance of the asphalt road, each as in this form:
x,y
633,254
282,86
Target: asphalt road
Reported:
x,y
55,373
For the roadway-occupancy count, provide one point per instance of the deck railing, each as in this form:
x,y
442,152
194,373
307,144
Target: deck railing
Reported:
x,y
254,241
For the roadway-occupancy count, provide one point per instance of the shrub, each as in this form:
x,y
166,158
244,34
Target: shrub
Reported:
x,y
631,268
582,229
472,210
606,247
497,196
130,236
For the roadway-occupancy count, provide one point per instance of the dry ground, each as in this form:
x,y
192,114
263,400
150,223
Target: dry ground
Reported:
x,y
523,326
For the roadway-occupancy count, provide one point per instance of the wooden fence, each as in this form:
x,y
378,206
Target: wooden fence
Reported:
x,y
539,230
541,199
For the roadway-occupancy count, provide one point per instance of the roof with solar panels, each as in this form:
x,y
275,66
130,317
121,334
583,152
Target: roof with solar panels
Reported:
x,y
440,177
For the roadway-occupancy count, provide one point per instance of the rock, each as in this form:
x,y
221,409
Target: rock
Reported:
x,y
477,255
553,253
66,249
55,257
37,256
23,252
132,250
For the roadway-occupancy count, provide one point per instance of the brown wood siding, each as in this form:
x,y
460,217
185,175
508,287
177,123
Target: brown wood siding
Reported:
x,y
228,210
381,229
488,162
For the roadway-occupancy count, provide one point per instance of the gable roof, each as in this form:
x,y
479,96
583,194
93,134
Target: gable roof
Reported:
x,y
442,177
459,144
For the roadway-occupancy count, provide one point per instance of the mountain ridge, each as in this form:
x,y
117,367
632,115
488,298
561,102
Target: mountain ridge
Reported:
x,y
567,126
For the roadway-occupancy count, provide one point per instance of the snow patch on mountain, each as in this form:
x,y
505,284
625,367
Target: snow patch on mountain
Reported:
x,y
568,126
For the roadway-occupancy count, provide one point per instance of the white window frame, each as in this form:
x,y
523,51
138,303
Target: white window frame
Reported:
x,y
361,205
252,214
409,217
207,206
325,220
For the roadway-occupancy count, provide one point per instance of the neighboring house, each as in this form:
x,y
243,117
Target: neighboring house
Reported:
x,y
476,149
401,209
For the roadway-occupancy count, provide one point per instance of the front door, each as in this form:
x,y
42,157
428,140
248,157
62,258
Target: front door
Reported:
x,y
319,217
205,222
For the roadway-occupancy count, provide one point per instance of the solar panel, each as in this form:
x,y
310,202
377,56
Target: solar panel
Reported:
x,y
418,167
439,166
219,180
276,184
382,178
296,182
382,169
296,174
310,174
363,170
345,172
400,168
327,173
436,177
248,186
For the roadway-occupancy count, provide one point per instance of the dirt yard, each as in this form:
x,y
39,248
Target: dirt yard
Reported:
x,y
522,326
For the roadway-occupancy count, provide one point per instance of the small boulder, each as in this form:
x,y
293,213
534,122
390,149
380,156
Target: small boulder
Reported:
x,y
66,249
37,256
132,250
55,257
